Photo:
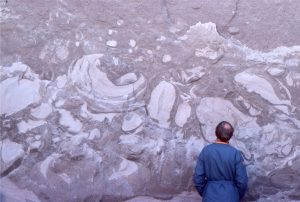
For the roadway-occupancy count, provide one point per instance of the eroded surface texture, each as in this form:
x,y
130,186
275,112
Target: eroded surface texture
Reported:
x,y
113,100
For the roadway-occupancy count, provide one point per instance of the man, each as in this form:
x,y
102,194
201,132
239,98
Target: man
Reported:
x,y
220,173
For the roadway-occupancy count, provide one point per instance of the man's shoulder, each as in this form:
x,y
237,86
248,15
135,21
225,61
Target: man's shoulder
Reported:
x,y
234,149
214,146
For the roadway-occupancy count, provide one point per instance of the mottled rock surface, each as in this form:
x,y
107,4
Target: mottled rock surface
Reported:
x,y
113,100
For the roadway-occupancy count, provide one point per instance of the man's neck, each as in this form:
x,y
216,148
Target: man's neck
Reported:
x,y
220,141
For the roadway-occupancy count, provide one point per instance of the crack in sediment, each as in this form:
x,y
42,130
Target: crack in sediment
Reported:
x,y
12,167
165,10
235,12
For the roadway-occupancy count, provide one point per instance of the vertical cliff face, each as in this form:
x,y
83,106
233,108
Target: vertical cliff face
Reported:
x,y
114,100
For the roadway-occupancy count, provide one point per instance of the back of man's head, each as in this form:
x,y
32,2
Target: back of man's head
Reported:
x,y
224,131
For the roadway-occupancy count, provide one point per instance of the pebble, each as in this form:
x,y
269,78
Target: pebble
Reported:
x,y
111,31
275,71
149,52
132,43
112,43
166,58
233,30
161,38
120,22
10,151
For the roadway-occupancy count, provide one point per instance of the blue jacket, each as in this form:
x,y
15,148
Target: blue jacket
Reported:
x,y
220,174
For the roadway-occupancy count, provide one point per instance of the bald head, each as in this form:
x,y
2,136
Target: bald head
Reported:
x,y
227,126
224,131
